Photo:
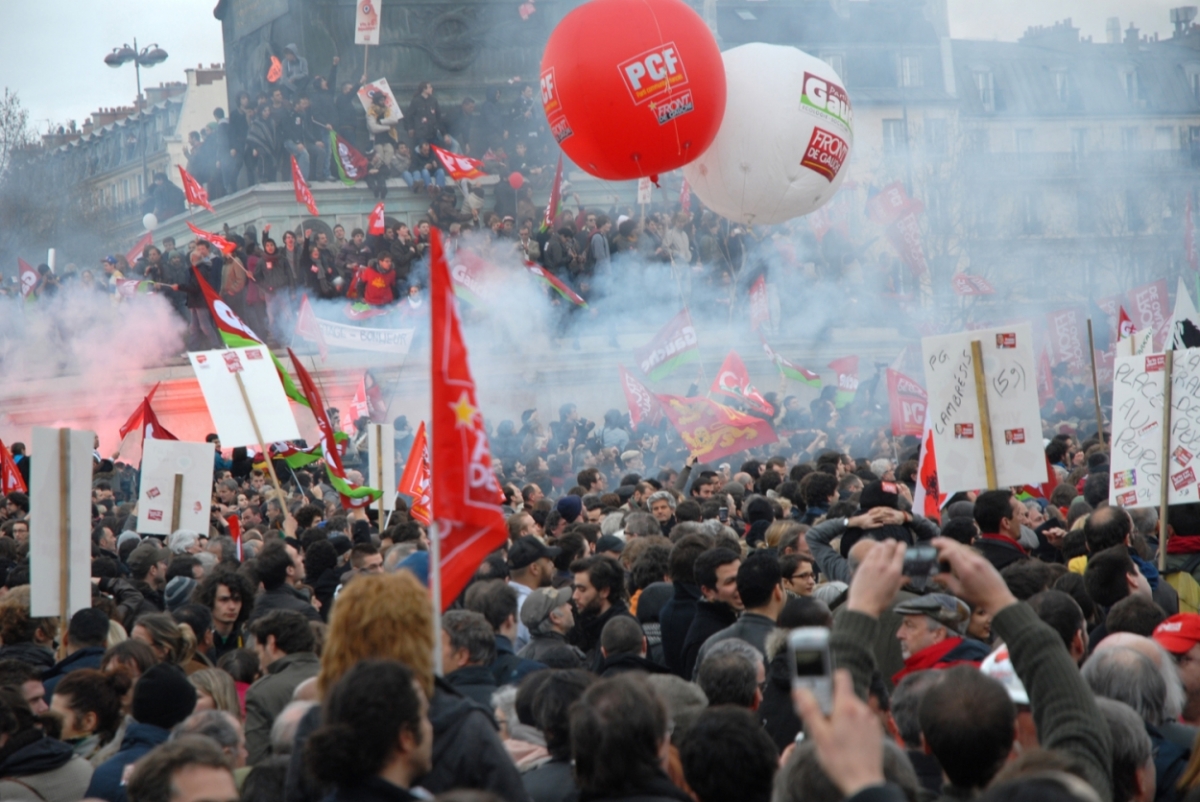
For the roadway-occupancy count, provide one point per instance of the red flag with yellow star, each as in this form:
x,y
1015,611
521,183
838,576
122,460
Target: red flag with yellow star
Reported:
x,y
470,524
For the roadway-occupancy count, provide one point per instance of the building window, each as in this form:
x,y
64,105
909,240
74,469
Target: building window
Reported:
x,y
1129,139
1024,140
1193,74
1062,85
837,61
1130,80
1030,213
1079,140
1133,212
935,136
984,86
1085,211
1164,137
895,138
978,141
910,71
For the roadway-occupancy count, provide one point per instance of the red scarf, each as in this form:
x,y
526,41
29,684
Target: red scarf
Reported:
x,y
931,657
1184,544
1005,539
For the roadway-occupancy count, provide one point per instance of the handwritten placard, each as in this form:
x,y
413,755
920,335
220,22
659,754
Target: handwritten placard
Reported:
x,y
1010,373
1137,458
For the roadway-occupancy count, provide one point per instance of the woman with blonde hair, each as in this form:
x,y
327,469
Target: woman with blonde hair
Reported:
x,y
170,642
389,617
215,691
25,638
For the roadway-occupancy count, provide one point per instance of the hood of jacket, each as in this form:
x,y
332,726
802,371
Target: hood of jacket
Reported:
x,y
44,754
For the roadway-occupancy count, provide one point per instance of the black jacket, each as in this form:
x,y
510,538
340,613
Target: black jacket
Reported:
x,y
710,618
370,789
658,789
589,629
776,712
621,663
467,752
675,618
283,597
553,781
473,682
29,652
87,657
999,553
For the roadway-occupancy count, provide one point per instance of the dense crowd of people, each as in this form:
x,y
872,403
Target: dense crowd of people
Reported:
x,y
627,642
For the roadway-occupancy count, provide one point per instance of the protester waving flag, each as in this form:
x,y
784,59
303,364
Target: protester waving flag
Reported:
x,y
733,380
352,495
11,480
303,193
469,522
555,283
643,405
555,197
236,334
192,191
351,164
414,482
459,167
789,370
220,242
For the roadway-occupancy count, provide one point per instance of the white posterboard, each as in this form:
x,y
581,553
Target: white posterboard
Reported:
x,y
1010,373
381,441
45,520
366,22
162,461
1135,478
218,372
644,190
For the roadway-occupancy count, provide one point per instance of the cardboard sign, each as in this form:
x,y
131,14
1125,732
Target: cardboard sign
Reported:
x,y
1010,374
1137,458
218,373
45,506
162,460
644,190
381,440
366,22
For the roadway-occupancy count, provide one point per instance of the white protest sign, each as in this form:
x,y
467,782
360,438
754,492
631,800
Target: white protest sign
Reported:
x,y
1010,375
363,338
162,461
381,461
46,537
1135,478
366,22
644,190
218,372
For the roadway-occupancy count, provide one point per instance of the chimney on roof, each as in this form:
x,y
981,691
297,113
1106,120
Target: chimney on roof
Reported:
x,y
1132,37
1112,30
1181,18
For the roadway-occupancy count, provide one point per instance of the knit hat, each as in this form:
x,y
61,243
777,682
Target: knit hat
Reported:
x,y
759,510
879,494
610,543
126,536
570,507
163,697
178,592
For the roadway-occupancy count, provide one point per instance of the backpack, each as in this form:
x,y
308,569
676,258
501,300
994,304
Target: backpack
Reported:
x,y
233,276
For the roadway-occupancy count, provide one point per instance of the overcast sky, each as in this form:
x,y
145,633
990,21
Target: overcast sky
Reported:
x,y
52,51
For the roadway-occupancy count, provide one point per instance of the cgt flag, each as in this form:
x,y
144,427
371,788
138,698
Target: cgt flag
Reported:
x,y
192,191
674,345
11,480
643,406
414,482
223,244
377,222
711,430
459,167
303,193
733,380
907,401
467,516
353,496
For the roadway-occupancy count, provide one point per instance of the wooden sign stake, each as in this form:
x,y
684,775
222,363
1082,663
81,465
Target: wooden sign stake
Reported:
x,y
985,421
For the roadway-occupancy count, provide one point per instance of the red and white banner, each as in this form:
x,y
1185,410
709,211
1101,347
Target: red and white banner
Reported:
x,y
907,401
11,480
643,405
216,240
928,498
414,482
377,222
733,380
1065,330
971,285
760,310
308,327
366,22
192,191
846,369
459,167
1125,327
303,193
899,214
1149,308
28,276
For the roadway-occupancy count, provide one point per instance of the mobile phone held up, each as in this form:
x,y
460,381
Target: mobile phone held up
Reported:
x,y
812,666
921,564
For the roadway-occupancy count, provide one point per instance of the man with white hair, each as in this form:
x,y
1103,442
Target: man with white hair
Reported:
x,y
1175,697
184,541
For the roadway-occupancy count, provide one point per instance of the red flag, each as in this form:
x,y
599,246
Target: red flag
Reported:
x,y
1066,337
135,420
192,191
376,223
351,494
711,430
685,196
555,283
1189,236
303,193
29,277
643,406
414,482
458,166
276,70
555,197
846,369
907,401
358,404
469,521
152,429
733,380
135,252
760,312
351,165
1043,491
928,499
972,285
308,327
1045,378
11,480
235,531
220,242
1125,327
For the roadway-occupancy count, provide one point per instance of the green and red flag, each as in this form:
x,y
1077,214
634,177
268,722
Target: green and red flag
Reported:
x,y
351,164
555,283
352,495
846,369
790,370
674,345
733,380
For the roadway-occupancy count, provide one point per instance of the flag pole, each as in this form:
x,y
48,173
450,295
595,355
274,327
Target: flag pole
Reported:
x,y
985,421
258,436
1095,384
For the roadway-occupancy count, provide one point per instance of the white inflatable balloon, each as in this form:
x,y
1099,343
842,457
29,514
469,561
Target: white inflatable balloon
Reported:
x,y
149,221
784,141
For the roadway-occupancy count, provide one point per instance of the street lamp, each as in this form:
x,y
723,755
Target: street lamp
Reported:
x,y
148,57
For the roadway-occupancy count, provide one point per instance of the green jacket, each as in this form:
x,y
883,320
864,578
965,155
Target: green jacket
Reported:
x,y
267,698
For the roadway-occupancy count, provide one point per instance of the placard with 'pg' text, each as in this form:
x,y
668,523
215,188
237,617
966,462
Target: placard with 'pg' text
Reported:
x,y
1137,460
1010,374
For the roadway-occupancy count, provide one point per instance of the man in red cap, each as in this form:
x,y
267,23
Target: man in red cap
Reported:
x,y
1180,635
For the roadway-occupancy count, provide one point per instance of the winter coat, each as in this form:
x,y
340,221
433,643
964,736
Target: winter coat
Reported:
x,y
710,618
553,781
657,789
87,657
424,119
622,663
45,770
474,682
590,627
283,597
29,652
675,618
106,780
370,789
267,698
750,627
542,642
467,752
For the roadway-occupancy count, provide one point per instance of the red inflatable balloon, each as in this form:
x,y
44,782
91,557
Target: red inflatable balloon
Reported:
x,y
633,88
